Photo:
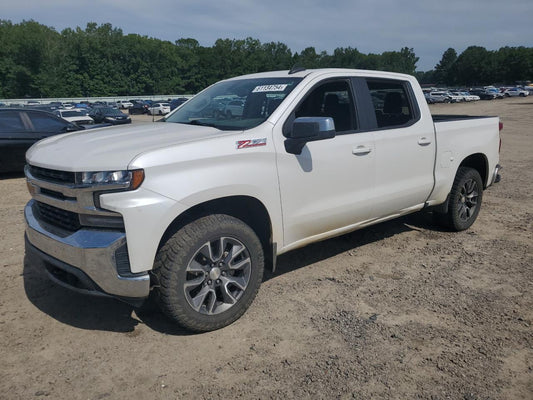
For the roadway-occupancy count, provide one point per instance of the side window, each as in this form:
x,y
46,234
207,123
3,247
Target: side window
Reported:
x,y
391,102
10,122
46,123
332,99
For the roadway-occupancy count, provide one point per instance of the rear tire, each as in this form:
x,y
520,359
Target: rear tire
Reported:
x,y
464,202
209,272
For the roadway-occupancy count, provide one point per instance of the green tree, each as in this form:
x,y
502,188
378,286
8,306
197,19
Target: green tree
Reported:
x,y
308,58
475,66
514,64
403,61
346,57
100,60
444,72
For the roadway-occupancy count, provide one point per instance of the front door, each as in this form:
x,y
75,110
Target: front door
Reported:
x,y
330,185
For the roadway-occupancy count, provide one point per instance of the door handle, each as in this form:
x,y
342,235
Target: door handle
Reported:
x,y
424,141
361,150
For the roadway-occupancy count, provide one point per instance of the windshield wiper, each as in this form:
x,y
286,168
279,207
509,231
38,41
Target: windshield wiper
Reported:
x,y
201,123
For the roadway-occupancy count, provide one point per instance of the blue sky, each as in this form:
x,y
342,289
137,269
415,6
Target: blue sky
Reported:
x,y
428,26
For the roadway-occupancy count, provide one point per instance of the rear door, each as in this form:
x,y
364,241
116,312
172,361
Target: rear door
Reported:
x,y
15,138
405,147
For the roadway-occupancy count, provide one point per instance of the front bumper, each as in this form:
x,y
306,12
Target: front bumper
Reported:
x,y
85,260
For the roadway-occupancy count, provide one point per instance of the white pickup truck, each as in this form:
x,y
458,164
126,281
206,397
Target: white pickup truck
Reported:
x,y
191,209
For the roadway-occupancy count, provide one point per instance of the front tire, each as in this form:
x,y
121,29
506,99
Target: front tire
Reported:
x,y
464,202
209,272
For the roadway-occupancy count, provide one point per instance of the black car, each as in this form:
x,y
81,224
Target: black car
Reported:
x,y
139,108
483,94
109,115
20,128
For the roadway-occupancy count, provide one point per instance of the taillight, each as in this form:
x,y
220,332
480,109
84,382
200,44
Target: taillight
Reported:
x,y
501,125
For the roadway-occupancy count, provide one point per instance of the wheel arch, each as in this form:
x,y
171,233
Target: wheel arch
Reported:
x,y
248,209
480,163
477,161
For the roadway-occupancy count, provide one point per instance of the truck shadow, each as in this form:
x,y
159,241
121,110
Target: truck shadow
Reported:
x,y
320,251
107,314
90,312
74,309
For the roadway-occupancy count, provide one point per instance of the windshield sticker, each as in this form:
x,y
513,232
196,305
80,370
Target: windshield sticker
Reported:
x,y
269,88
244,144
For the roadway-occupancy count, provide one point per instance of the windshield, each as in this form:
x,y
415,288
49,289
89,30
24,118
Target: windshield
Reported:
x,y
235,105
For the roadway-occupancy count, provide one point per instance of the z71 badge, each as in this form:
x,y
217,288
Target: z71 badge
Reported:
x,y
244,144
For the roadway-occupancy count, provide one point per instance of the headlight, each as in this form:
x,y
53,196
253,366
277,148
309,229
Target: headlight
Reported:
x,y
125,179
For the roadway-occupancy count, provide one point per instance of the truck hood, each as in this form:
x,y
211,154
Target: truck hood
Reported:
x,y
111,148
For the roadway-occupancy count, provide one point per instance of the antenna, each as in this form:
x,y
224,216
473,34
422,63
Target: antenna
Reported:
x,y
295,69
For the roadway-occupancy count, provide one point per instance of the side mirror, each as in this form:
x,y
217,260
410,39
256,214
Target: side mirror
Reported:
x,y
308,129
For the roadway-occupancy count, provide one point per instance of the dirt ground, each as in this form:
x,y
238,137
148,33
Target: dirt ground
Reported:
x,y
402,310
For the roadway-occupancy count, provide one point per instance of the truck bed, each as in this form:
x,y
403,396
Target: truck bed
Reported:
x,y
476,135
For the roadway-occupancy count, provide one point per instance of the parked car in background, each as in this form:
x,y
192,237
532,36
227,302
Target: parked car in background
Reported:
x,y
159,109
124,104
429,100
177,102
21,128
110,115
75,116
456,97
139,107
483,94
516,92
102,103
439,97
493,90
469,96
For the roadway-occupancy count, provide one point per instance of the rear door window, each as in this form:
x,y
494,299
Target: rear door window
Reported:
x,y
391,101
11,122
46,123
